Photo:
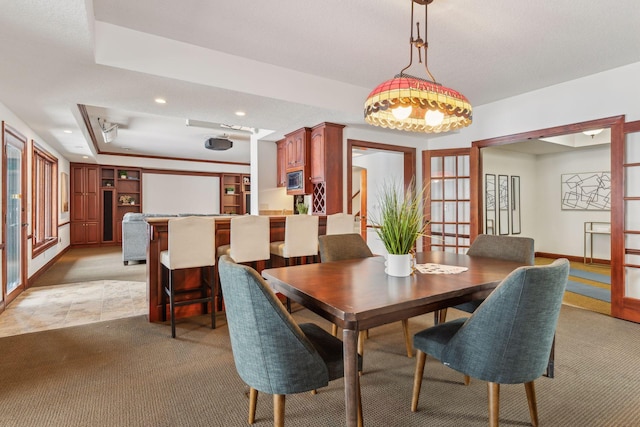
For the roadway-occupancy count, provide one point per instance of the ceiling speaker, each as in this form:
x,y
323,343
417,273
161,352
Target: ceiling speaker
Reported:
x,y
218,144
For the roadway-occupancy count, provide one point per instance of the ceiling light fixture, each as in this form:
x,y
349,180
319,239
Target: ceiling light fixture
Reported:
x,y
160,101
109,130
592,132
415,104
241,113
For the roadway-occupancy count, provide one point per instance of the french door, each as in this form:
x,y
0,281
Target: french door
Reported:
x,y
448,201
13,214
625,238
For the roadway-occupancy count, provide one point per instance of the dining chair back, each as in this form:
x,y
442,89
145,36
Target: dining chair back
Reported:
x,y
249,238
300,237
272,353
507,340
340,223
191,244
338,247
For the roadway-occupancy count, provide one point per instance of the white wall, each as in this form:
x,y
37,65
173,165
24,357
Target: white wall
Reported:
x,y
175,194
561,231
270,196
501,162
610,93
383,168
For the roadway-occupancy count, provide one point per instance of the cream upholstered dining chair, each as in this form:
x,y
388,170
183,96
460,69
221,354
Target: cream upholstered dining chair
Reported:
x,y
340,223
507,340
272,353
300,240
191,244
338,247
249,238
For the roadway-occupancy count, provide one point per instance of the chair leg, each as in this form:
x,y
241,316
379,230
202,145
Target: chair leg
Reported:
x,y
531,400
172,306
407,338
421,358
334,330
361,338
552,357
360,421
278,410
212,285
467,380
253,402
163,294
494,403
439,316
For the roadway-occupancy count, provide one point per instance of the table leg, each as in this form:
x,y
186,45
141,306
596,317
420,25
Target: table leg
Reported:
x,y
350,345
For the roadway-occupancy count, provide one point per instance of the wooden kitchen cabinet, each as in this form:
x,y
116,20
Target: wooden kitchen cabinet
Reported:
x,y
297,149
282,163
85,204
326,167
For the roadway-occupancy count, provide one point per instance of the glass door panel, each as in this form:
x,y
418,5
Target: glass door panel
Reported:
x,y
14,225
14,218
447,203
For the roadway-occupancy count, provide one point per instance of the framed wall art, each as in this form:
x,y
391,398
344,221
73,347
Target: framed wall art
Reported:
x,y
586,191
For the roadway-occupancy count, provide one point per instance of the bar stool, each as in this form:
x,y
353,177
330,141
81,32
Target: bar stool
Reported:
x,y
300,240
249,239
340,223
191,245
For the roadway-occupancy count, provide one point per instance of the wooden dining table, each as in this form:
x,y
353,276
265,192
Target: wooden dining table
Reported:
x,y
357,295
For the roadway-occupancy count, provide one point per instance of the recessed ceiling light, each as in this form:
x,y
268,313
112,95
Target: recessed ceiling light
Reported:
x,y
240,113
67,131
161,100
85,157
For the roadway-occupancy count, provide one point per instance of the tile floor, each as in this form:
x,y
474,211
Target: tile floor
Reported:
x,y
60,306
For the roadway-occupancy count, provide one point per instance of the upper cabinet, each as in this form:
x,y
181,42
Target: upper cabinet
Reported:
x,y
297,149
326,168
326,152
282,163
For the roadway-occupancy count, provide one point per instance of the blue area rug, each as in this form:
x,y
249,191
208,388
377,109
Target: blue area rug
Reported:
x,y
602,278
589,291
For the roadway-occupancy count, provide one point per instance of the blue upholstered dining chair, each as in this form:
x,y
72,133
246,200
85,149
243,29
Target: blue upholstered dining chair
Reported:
x,y
272,353
338,247
507,340
508,248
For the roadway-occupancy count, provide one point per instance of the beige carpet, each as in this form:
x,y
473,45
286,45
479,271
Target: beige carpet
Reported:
x,y
129,372
88,264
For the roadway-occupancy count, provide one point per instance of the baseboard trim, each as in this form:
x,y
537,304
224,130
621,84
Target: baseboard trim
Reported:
x,y
45,267
572,258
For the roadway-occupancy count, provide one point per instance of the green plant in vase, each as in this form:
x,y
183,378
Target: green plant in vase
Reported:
x,y
302,208
399,224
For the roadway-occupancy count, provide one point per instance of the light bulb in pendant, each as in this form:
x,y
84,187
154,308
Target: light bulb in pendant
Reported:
x,y
433,117
401,113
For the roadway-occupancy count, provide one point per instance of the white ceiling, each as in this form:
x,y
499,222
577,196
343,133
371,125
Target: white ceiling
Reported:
x,y
287,64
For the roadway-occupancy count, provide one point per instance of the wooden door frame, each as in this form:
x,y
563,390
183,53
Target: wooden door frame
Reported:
x,y
409,164
6,129
617,125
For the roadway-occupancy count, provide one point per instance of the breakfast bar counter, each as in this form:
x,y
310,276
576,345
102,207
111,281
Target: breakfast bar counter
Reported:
x,y
158,241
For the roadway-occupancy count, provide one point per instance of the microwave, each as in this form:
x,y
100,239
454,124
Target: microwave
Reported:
x,y
295,180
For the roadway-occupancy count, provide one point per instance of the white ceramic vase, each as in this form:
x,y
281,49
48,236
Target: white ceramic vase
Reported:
x,y
398,265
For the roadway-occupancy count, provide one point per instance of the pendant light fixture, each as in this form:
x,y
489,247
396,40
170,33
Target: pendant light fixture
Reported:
x,y
415,104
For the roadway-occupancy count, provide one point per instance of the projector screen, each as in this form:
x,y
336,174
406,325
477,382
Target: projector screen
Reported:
x,y
176,194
